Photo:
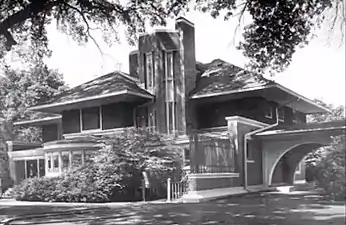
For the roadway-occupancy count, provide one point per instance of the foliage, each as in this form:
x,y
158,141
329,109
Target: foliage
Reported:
x,y
277,27
6,180
21,89
315,157
331,170
115,173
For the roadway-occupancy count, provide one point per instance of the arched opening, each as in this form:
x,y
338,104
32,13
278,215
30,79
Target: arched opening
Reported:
x,y
285,167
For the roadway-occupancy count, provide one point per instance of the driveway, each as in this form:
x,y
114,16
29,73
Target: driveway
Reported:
x,y
255,209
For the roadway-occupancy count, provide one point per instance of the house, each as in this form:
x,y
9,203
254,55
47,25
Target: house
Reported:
x,y
232,115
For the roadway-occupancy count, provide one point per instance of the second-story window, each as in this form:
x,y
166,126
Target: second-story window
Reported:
x,y
170,93
281,112
91,118
149,70
294,116
269,112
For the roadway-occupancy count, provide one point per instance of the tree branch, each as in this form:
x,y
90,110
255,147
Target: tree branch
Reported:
x,y
87,25
27,12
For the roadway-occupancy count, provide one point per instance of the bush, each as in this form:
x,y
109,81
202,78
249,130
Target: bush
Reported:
x,y
331,170
114,175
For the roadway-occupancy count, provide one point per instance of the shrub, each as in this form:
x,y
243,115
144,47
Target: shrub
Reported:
x,y
331,170
114,175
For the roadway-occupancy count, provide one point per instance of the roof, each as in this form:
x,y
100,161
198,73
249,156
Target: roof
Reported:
x,y
108,85
220,76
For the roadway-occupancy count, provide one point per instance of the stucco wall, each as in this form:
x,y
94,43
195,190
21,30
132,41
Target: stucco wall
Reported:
x,y
213,183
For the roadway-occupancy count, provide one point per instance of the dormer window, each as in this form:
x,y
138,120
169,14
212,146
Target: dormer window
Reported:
x,y
149,71
281,115
269,112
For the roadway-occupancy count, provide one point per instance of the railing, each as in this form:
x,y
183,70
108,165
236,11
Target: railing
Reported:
x,y
213,169
176,190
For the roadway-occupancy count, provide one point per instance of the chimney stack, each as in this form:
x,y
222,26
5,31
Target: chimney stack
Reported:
x,y
186,31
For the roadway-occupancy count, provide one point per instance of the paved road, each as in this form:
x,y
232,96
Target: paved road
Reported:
x,y
259,209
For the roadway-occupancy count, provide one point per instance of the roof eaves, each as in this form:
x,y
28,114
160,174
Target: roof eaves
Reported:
x,y
259,87
302,98
25,122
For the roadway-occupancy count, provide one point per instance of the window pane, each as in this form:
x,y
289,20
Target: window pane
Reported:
x,y
88,156
76,159
171,117
55,162
170,67
281,114
149,70
170,91
91,118
65,160
49,162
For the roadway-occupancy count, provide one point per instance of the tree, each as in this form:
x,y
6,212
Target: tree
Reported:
x,y
331,170
278,26
315,157
114,173
18,91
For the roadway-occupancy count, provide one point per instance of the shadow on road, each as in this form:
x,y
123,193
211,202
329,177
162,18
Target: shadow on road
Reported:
x,y
265,209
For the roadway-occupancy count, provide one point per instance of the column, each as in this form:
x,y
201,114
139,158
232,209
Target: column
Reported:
x,y
25,169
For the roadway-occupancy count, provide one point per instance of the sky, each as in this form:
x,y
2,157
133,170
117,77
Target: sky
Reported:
x,y
317,71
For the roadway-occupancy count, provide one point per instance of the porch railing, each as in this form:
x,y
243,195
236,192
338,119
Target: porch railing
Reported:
x,y
176,190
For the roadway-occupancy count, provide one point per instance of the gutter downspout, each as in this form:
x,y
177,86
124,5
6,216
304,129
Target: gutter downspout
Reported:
x,y
247,136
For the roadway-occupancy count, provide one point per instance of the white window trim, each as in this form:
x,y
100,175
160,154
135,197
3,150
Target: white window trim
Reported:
x,y
269,116
81,120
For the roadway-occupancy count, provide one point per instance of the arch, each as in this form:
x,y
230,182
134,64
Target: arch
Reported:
x,y
302,148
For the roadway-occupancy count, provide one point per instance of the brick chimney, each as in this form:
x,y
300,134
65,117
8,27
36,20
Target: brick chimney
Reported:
x,y
186,31
133,64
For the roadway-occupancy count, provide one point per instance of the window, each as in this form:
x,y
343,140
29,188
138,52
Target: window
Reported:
x,y
186,156
65,156
88,155
49,162
152,119
149,70
76,159
294,116
55,162
90,118
281,115
269,112
170,92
